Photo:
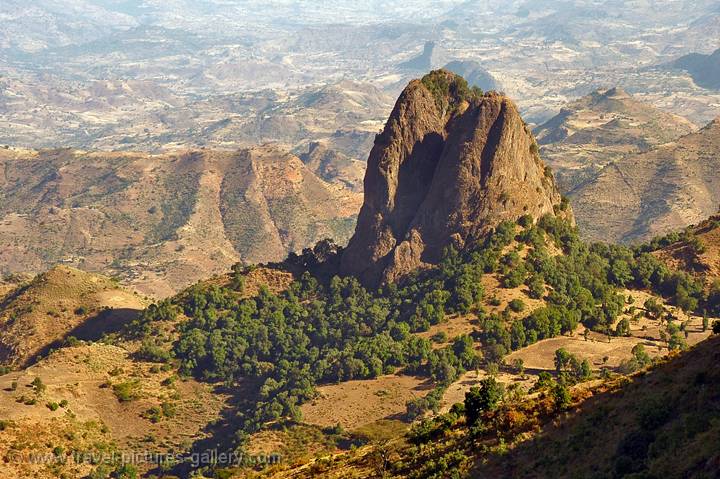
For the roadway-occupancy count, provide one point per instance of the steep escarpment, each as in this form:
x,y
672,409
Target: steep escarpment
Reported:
x,y
448,167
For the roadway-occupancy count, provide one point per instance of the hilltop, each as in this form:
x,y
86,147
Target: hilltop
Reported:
x,y
652,193
161,222
696,249
600,128
62,302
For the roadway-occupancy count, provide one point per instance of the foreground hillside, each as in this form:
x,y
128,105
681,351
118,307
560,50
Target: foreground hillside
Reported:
x,y
653,193
661,422
161,222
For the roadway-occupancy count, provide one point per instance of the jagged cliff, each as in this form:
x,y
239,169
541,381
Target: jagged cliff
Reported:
x,y
448,167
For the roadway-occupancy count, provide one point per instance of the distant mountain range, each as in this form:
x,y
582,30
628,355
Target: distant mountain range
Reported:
x,y
704,69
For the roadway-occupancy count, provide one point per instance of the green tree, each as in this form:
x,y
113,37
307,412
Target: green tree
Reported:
x,y
482,399
623,327
677,342
654,308
716,327
561,396
536,286
640,355
562,360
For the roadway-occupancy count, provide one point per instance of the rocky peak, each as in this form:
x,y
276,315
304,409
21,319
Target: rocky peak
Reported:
x,y
616,92
448,167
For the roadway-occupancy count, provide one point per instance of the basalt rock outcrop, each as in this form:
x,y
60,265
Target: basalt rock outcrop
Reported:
x,y
449,166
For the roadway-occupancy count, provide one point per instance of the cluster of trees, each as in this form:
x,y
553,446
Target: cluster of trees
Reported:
x,y
283,345
566,362
581,286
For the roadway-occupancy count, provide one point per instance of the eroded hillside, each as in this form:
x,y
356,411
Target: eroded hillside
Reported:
x,y
601,128
652,193
161,222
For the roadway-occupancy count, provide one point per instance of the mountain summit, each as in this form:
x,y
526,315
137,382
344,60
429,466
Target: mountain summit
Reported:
x,y
450,165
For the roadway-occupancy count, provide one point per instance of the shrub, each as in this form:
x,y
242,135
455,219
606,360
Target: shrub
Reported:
x,y
53,406
150,351
38,385
154,414
440,337
125,471
561,396
517,305
81,310
168,409
482,399
525,221
127,391
653,413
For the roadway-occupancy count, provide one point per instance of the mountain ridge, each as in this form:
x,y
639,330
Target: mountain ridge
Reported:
x,y
161,222
652,193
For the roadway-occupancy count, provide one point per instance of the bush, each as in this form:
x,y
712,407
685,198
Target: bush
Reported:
x,y
38,385
150,351
168,409
125,471
440,337
127,391
561,396
154,414
53,406
653,413
517,305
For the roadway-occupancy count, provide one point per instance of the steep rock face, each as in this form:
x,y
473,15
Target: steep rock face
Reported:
x,y
448,167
